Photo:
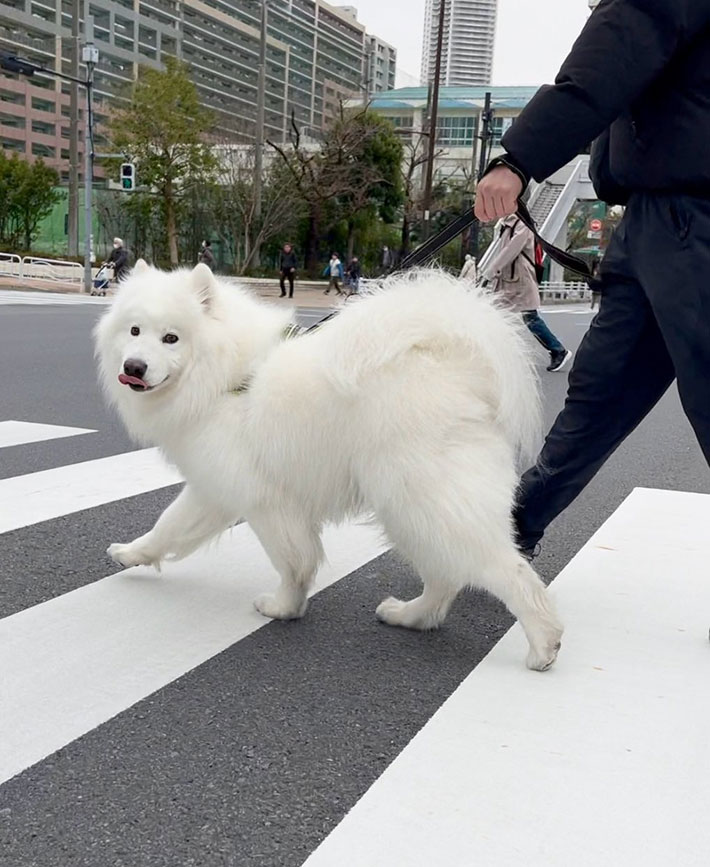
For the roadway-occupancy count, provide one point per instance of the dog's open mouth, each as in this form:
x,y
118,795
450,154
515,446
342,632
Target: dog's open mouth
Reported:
x,y
136,383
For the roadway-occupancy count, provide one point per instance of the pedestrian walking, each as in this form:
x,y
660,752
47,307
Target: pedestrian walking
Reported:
x,y
651,121
512,274
207,256
118,259
287,269
594,287
469,271
387,259
334,271
354,273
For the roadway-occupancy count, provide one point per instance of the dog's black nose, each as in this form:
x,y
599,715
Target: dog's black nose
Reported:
x,y
135,367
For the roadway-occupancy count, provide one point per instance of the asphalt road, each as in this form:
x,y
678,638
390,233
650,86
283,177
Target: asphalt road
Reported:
x,y
255,755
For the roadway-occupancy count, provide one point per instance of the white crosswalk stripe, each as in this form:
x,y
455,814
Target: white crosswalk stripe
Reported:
x,y
13,296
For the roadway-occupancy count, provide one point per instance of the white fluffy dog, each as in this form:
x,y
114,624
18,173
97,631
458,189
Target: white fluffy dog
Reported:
x,y
410,406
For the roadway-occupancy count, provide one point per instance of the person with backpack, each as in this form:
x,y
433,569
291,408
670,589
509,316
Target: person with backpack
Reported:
x,y
513,274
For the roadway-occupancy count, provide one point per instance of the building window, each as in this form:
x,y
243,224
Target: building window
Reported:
x,y
12,120
9,144
11,97
44,151
500,126
456,131
43,105
43,128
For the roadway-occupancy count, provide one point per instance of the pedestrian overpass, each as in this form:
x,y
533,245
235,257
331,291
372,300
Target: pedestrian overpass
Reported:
x,y
550,204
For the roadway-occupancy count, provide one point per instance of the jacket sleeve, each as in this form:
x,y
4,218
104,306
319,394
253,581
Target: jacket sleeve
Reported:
x,y
624,47
509,252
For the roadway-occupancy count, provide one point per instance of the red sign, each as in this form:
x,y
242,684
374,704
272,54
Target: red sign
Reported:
x,y
595,225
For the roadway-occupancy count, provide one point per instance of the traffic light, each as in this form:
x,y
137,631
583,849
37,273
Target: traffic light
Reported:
x,y
128,177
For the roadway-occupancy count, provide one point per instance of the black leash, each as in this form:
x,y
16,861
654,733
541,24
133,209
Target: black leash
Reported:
x,y
425,252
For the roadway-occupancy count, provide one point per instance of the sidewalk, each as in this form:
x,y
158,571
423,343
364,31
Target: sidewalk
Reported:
x,y
306,293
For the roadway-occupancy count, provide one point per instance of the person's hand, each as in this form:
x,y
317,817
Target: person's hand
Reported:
x,y
497,195
293,270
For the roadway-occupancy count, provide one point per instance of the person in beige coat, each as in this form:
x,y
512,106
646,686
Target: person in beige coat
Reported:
x,y
511,273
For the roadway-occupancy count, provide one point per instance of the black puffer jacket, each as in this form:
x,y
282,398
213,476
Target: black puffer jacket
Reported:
x,y
643,68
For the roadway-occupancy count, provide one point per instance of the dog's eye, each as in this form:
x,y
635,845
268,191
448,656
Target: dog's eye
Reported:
x,y
170,338
135,331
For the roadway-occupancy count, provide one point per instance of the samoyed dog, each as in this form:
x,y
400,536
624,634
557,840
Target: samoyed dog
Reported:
x,y
409,407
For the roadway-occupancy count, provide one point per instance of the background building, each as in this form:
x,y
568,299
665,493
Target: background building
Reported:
x,y
380,65
459,124
469,36
316,54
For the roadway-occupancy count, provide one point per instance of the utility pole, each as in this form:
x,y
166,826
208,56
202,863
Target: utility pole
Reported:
x,y
484,137
433,121
90,56
260,107
73,204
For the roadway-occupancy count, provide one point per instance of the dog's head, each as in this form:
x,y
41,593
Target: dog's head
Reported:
x,y
172,341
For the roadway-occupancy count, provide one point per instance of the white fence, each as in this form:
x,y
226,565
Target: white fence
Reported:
x,y
32,268
562,292
10,265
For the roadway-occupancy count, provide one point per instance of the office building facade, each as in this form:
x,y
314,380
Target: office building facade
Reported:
x,y
468,41
316,53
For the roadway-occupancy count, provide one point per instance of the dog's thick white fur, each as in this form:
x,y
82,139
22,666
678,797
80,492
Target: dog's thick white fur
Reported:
x,y
410,405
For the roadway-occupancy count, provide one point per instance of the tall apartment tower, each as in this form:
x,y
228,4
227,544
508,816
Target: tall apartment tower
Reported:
x,y
469,35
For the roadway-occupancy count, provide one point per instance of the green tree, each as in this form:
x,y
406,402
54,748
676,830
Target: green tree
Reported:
x,y
163,129
355,168
27,195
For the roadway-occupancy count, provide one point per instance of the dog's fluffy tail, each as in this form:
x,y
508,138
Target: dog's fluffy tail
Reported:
x,y
432,311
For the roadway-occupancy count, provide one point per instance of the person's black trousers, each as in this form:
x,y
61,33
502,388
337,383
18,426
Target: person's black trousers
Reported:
x,y
653,326
287,275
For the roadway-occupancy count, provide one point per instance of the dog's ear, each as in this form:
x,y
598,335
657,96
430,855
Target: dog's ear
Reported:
x,y
140,266
203,283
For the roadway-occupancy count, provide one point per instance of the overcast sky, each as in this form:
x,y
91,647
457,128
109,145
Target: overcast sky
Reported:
x,y
532,40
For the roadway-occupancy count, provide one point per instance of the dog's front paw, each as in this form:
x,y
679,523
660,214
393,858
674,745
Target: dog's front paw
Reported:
x,y
129,555
280,607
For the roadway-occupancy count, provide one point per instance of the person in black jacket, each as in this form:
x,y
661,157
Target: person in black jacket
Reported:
x,y
638,81
119,259
287,267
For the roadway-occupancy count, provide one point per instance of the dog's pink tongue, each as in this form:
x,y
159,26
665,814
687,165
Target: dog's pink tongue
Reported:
x,y
131,380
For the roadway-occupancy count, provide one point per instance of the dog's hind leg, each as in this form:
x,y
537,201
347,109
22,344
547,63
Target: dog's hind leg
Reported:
x,y
184,526
296,552
513,580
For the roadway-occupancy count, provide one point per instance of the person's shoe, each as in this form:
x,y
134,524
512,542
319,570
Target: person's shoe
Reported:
x,y
327,292
558,360
282,295
531,553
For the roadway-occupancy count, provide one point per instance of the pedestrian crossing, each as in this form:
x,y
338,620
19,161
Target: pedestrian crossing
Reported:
x,y
159,719
40,298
